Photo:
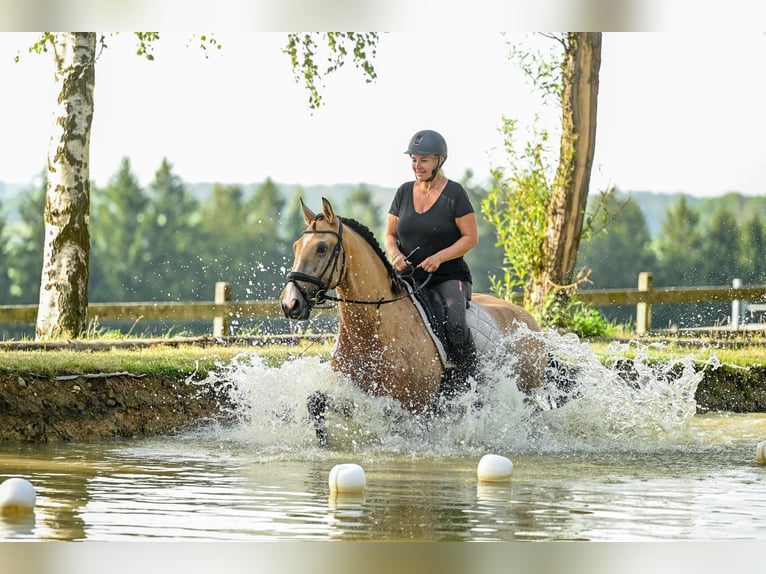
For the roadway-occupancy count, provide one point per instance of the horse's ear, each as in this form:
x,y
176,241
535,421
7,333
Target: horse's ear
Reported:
x,y
308,215
329,214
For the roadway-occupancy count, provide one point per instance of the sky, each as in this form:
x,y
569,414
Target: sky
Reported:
x,y
677,111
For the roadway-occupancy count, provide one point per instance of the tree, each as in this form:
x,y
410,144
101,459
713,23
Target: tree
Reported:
x,y
269,246
751,261
63,305
360,205
169,264
293,222
721,246
679,254
678,247
554,212
26,248
569,193
116,247
5,279
486,259
616,255
62,309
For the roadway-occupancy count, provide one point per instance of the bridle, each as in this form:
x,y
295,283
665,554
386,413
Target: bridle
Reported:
x,y
337,256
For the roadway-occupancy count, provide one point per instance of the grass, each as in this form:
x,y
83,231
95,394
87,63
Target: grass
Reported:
x,y
740,353
159,360
178,359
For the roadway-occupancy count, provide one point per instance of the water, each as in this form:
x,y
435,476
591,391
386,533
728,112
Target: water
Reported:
x,y
626,459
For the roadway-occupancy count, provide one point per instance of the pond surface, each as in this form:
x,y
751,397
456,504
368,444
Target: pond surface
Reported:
x,y
195,488
625,459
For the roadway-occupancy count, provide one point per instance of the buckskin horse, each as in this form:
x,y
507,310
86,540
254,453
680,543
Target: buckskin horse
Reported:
x,y
384,344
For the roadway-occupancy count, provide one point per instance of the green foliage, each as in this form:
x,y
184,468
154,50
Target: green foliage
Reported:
x,y
360,205
116,249
569,314
306,49
39,47
25,249
722,237
623,232
5,280
680,239
517,207
146,42
544,69
486,259
752,269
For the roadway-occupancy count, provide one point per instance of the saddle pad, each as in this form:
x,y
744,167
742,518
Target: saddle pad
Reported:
x,y
483,327
427,321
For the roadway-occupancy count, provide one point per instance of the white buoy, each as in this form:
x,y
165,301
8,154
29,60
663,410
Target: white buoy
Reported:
x,y
17,495
760,455
347,477
494,468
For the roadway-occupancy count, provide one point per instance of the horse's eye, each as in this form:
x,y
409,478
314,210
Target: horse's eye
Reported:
x,y
321,249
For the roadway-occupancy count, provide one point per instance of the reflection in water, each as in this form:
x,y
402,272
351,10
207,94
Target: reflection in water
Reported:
x,y
15,525
626,460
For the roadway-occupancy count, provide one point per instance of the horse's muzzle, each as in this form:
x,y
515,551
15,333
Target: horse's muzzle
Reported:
x,y
294,304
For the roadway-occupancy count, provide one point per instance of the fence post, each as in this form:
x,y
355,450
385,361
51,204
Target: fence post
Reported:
x,y
736,306
644,310
221,322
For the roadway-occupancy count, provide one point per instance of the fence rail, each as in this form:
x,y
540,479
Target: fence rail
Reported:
x,y
222,310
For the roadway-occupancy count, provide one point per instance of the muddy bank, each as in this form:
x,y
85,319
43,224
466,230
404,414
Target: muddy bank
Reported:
x,y
734,389
41,409
86,407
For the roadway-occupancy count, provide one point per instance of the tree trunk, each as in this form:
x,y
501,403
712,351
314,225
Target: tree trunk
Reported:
x,y
63,307
569,193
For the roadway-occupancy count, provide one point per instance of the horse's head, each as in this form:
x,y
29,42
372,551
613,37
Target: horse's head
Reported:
x,y
318,263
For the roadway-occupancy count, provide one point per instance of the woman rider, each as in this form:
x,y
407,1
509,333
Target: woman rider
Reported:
x,y
431,225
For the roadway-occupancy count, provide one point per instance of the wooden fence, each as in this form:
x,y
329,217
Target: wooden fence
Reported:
x,y
222,309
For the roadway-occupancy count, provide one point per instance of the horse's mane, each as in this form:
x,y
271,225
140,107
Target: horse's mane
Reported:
x,y
364,232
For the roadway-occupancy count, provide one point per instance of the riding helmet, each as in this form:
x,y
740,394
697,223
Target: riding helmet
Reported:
x,y
427,142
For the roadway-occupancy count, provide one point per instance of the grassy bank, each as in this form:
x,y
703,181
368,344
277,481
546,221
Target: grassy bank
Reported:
x,y
178,357
169,358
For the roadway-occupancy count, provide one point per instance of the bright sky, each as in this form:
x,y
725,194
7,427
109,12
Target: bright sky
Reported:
x,y
677,112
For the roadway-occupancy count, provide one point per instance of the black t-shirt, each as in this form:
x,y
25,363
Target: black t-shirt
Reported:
x,y
433,230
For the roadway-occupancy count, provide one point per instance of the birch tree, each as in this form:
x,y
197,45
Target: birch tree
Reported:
x,y
63,304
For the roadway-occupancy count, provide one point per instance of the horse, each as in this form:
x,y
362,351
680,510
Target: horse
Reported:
x,y
384,344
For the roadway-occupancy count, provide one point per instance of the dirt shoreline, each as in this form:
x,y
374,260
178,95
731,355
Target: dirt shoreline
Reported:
x,y
80,407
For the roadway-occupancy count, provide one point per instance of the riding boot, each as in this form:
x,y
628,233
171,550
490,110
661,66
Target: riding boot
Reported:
x,y
463,358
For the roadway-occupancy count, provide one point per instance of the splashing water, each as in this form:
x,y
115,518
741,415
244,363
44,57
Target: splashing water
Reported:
x,y
608,403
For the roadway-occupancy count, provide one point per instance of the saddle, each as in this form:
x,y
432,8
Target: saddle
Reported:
x,y
430,305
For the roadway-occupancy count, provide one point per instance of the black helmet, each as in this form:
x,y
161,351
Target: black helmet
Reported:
x,y
427,142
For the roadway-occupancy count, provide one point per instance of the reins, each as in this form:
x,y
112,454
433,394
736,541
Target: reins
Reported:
x,y
338,252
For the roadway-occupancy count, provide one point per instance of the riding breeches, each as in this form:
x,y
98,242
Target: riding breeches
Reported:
x,y
456,294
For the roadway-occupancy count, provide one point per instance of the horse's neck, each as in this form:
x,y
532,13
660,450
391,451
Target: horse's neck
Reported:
x,y
365,279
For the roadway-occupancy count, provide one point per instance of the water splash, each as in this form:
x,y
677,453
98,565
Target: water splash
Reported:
x,y
623,401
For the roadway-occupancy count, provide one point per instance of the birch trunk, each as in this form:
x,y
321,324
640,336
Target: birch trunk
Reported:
x,y
569,193
63,305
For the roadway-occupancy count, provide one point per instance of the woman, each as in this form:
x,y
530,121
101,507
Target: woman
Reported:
x,y
431,225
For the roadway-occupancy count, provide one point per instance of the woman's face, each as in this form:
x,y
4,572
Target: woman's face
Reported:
x,y
424,165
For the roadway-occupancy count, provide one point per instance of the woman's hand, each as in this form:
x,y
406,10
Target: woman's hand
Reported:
x,y
430,264
400,262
